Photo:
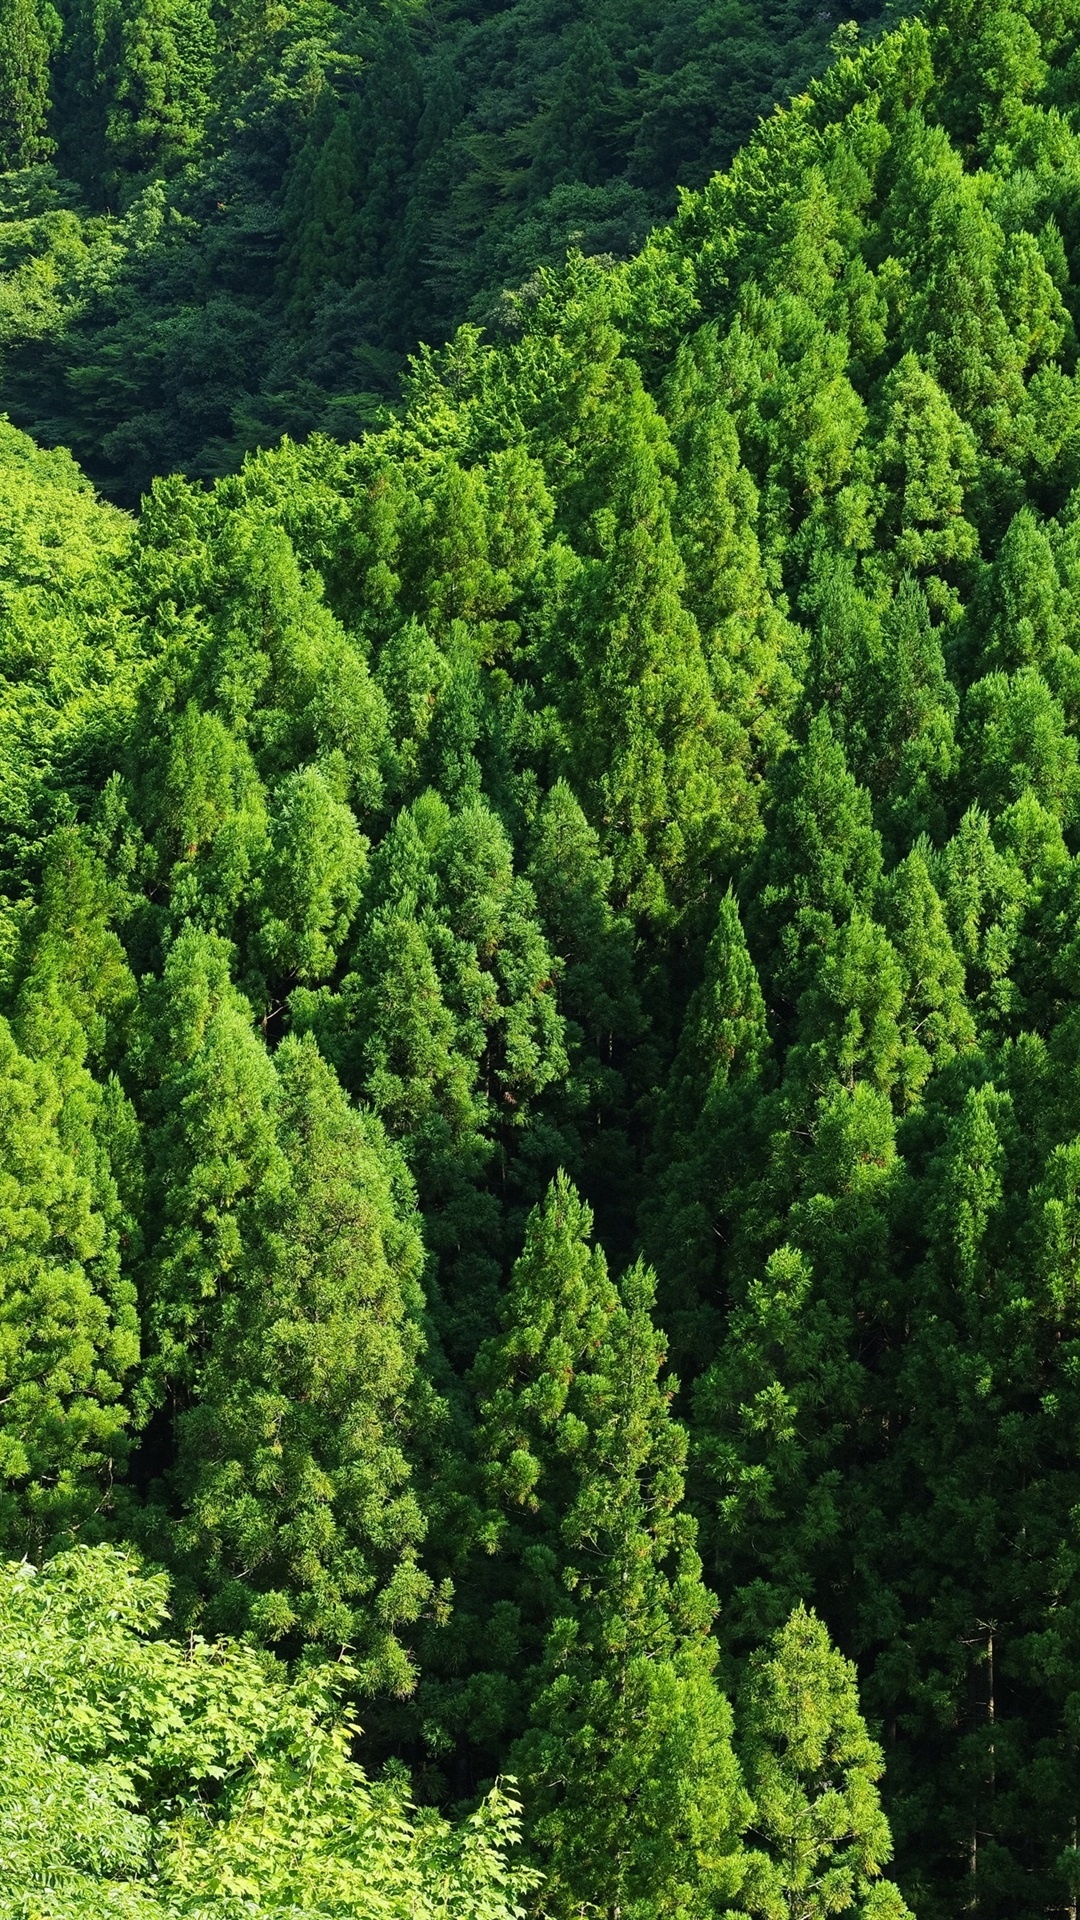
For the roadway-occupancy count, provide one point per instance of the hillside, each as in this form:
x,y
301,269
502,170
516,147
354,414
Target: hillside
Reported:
x,y
541,1140
227,223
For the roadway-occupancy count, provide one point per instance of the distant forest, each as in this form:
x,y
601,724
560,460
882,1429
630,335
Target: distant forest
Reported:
x,y
226,223
540,967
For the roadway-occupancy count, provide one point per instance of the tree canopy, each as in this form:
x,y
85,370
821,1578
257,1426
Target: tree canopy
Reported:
x,y
539,1145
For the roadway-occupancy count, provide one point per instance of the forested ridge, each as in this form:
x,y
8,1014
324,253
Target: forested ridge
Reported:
x,y
539,1003
225,223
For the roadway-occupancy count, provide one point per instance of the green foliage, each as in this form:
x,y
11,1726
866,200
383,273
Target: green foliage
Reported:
x,y
813,1769
157,93
290,1472
650,751
273,210
68,648
634,1797
152,1779
70,1335
25,45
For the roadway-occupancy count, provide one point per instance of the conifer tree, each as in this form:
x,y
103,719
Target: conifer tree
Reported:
x,y
297,1519
936,1022
753,653
312,876
580,131
984,893
75,989
25,47
1025,599
848,1021
215,1171
912,715
784,1418
159,88
635,1798
702,1138
599,998
812,1770
1015,739
446,1023
321,209
70,1334
73,1181
964,1347
642,724
507,1552
824,856
927,458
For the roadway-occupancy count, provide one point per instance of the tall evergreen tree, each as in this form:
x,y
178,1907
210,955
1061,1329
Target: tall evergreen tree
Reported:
x,y
702,1144
641,719
296,1515
635,1798
25,47
813,1771
70,1333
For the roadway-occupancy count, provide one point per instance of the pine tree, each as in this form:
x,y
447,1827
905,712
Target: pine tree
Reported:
x,y
984,893
754,653
936,1023
701,1139
446,1022
159,90
635,1798
599,998
912,714
1025,599
70,1336
962,1456
25,47
641,722
216,1168
75,990
927,459
1015,739
786,1426
824,857
312,876
74,1178
812,1770
321,211
297,1519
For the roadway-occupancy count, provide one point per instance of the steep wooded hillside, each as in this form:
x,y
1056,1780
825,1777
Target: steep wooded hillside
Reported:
x,y
227,222
580,882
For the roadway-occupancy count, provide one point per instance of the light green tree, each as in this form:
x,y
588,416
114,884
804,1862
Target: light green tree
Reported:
x,y
635,1804
813,1770
146,1779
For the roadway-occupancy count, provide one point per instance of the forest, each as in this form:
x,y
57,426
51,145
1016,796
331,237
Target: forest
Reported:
x,y
539,961
226,220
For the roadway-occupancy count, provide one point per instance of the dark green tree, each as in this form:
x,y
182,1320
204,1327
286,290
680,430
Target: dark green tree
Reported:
x,y
824,857
703,1136
641,722
28,35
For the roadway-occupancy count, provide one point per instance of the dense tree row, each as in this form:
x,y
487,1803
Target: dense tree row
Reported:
x,y
219,223
588,873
